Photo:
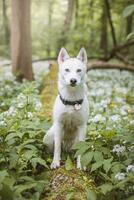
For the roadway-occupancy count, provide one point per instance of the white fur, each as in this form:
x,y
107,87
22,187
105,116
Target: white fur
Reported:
x,y
69,124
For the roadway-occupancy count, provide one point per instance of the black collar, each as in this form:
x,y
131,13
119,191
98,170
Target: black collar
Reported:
x,y
71,103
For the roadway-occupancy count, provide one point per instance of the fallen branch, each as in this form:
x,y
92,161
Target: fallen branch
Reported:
x,y
116,51
107,65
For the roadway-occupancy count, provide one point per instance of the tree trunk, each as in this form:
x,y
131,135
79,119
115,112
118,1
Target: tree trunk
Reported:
x,y
111,22
5,23
69,14
76,12
67,24
21,40
103,39
50,9
91,16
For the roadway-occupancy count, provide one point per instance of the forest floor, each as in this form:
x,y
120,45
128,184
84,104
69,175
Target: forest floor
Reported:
x,y
107,152
106,90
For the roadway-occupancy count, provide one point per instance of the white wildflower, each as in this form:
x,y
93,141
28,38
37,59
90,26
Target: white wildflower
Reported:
x,y
120,176
11,111
22,97
21,105
123,112
119,99
97,107
99,92
38,105
7,88
2,104
115,118
130,168
98,118
104,103
30,115
118,149
131,148
132,122
122,90
2,123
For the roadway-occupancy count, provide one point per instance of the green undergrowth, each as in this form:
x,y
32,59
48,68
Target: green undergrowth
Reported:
x,y
107,153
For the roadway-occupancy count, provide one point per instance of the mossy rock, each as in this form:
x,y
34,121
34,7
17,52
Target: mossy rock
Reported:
x,y
49,92
72,184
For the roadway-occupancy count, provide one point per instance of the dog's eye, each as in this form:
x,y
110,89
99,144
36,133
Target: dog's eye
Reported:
x,y
79,70
67,70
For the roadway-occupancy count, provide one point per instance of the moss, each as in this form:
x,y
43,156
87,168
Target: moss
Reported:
x,y
49,92
64,182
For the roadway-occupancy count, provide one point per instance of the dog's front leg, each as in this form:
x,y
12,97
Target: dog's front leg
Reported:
x,y
57,145
81,137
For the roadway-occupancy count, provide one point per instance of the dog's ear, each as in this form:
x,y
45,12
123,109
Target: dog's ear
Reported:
x,y
82,55
63,55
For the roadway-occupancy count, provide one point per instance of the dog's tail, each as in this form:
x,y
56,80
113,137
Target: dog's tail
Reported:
x,y
49,139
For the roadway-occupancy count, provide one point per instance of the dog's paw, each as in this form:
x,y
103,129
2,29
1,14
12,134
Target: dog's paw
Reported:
x,y
55,164
79,166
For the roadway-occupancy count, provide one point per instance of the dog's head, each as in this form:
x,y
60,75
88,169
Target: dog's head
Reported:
x,y
72,70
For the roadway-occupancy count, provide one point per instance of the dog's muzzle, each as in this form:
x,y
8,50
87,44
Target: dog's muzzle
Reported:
x,y
73,82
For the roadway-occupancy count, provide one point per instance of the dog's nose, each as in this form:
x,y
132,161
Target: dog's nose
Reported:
x,y
73,81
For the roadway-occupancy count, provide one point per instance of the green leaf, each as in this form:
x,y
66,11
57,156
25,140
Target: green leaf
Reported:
x,y
35,161
21,188
107,187
11,136
107,164
6,193
13,158
79,145
130,36
69,164
3,175
69,196
27,142
98,156
28,154
116,167
105,151
96,165
82,150
129,10
86,158
27,178
31,147
91,195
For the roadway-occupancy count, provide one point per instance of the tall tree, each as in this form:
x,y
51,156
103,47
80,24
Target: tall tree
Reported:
x,y
129,19
107,3
21,40
103,38
67,24
69,14
49,25
5,22
76,12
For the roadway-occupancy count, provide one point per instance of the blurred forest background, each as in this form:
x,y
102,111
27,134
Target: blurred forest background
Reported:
x,y
31,35
98,25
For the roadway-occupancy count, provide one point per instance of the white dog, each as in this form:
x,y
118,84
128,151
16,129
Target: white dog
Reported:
x,y
70,112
